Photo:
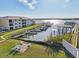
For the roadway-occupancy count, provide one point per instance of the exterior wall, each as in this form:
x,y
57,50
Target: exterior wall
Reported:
x,y
2,29
21,23
28,22
17,23
4,23
70,48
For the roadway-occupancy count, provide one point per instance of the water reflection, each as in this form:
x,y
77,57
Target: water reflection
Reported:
x,y
43,36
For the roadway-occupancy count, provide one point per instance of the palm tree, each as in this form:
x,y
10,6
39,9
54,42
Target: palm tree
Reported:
x,y
53,47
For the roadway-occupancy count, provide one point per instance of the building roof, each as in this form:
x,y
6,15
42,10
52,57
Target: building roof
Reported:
x,y
13,17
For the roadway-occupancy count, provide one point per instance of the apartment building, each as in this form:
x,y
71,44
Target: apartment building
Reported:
x,y
15,22
2,29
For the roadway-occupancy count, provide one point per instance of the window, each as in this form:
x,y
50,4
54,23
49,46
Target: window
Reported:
x,y
15,20
15,23
23,25
10,24
10,20
19,20
23,20
19,23
16,27
11,28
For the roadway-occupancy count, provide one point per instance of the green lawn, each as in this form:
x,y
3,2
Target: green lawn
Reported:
x,y
57,39
39,51
5,47
67,36
34,51
61,37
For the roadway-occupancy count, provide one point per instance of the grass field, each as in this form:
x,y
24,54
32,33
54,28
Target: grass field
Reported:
x,y
67,36
34,51
61,37
5,47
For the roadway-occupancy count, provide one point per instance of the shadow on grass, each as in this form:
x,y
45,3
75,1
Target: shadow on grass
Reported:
x,y
52,48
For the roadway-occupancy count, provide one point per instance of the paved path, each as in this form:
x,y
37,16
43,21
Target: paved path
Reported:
x,y
2,37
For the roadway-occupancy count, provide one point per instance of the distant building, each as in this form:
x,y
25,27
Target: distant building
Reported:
x,y
63,29
70,23
38,21
14,22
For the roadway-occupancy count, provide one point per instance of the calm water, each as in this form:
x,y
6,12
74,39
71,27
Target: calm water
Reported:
x,y
42,36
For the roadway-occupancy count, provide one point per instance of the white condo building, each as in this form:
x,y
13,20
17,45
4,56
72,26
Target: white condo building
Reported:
x,y
14,22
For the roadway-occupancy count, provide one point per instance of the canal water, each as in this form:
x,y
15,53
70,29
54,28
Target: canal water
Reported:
x,y
44,35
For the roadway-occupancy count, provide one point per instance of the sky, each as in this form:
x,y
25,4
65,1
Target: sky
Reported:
x,y
40,8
